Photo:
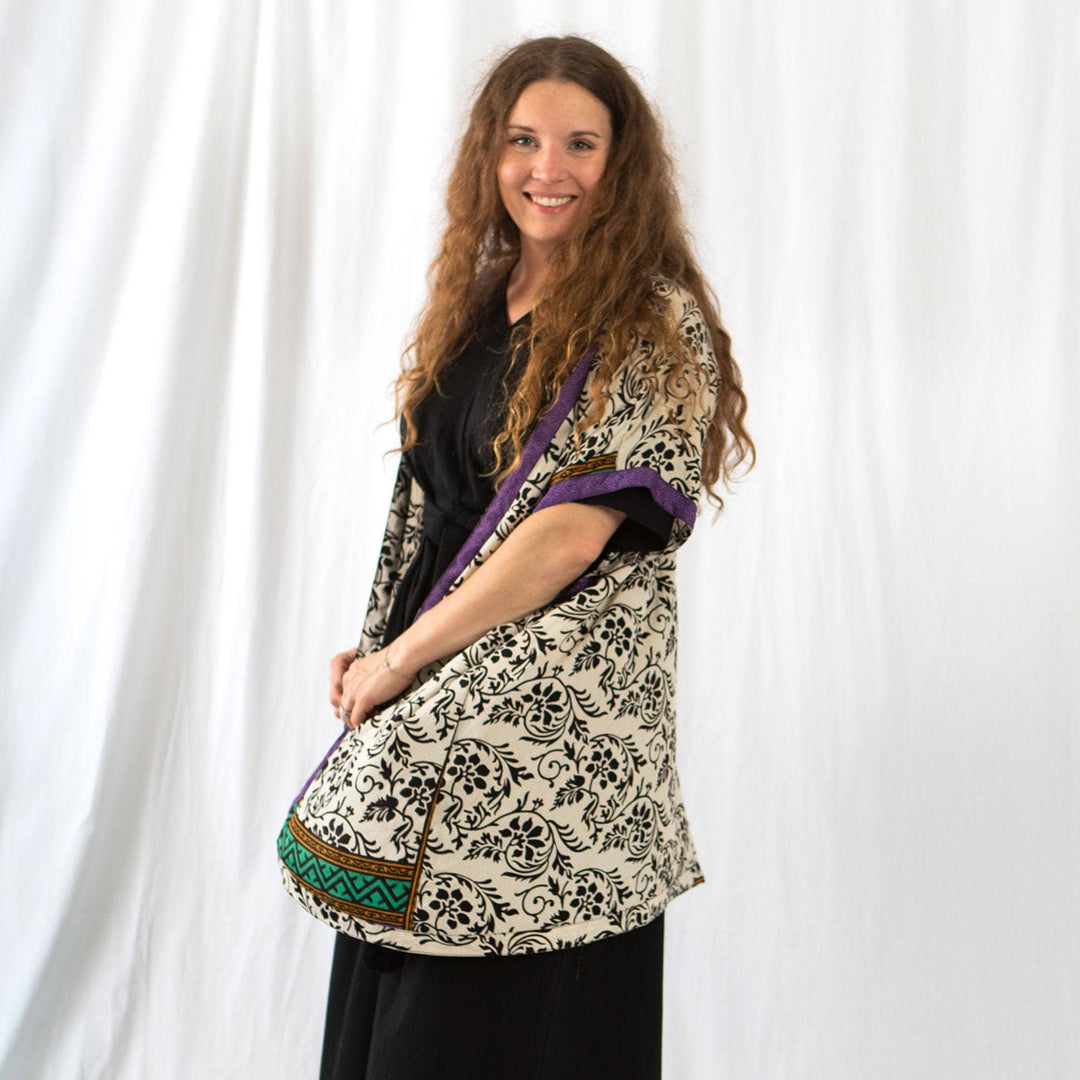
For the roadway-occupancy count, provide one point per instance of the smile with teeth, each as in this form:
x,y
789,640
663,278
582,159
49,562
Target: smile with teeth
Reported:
x,y
549,200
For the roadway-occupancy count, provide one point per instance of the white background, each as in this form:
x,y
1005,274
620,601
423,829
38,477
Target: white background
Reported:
x,y
216,220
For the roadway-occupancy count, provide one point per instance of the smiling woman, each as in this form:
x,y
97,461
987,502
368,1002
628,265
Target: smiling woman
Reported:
x,y
500,827
557,142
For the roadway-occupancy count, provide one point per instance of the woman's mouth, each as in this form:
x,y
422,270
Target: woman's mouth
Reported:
x,y
550,202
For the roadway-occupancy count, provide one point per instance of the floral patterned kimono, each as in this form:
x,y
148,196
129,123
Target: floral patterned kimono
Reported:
x,y
523,796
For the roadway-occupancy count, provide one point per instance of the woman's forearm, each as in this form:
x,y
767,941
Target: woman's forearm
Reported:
x,y
546,552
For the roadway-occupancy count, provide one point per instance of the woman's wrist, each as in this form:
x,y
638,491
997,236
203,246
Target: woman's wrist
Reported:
x,y
397,668
403,660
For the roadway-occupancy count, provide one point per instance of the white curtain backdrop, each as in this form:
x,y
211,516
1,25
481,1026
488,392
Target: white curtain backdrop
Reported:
x,y
216,222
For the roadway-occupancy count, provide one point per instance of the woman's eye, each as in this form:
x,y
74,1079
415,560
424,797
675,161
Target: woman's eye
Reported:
x,y
577,145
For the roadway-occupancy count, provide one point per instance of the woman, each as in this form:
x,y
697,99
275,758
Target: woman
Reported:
x,y
499,828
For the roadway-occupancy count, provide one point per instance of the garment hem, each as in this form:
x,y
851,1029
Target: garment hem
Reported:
x,y
512,943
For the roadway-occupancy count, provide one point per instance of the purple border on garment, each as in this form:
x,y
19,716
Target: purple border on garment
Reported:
x,y
318,768
534,446
602,483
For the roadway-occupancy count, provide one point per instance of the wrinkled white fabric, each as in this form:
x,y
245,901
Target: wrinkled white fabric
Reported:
x,y
216,222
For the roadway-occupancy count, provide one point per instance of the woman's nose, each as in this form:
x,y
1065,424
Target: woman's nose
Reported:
x,y
549,164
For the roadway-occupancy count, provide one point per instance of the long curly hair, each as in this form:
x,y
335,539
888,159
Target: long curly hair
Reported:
x,y
599,288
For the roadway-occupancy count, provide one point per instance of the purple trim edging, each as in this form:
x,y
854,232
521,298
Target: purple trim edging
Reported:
x,y
534,447
602,483
318,769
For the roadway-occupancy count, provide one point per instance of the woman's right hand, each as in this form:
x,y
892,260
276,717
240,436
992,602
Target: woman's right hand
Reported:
x,y
338,666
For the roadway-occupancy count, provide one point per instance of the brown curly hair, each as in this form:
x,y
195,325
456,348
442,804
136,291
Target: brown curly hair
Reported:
x,y
600,282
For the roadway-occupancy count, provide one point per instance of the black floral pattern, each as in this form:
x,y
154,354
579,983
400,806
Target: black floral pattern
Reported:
x,y
469,771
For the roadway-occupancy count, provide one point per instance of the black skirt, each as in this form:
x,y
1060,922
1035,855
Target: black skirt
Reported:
x,y
584,1013
588,1011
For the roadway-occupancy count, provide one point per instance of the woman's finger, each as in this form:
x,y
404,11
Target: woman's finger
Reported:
x,y
348,713
352,711
338,666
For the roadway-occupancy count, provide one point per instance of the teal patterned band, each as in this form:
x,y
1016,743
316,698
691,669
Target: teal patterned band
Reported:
x,y
369,888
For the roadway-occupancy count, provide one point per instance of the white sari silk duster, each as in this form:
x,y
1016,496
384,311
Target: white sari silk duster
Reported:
x,y
522,796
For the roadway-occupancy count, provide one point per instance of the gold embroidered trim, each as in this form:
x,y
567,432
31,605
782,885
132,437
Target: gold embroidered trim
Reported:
x,y
403,871
602,463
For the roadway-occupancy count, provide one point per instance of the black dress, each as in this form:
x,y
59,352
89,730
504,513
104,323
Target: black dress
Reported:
x,y
592,1011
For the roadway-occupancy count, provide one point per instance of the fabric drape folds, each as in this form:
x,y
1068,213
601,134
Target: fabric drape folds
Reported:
x,y
524,795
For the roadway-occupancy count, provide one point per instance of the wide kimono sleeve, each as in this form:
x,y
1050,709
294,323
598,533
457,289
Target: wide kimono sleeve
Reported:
x,y
650,436
401,537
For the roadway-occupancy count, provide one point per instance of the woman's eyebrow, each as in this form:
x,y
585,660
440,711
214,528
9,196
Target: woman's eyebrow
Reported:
x,y
573,134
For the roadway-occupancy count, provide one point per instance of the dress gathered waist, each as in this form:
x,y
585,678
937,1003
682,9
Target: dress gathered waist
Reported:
x,y
443,531
438,518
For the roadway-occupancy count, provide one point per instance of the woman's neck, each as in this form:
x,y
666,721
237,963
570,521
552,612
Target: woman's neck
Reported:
x,y
524,284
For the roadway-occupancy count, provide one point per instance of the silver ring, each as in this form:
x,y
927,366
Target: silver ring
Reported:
x,y
344,713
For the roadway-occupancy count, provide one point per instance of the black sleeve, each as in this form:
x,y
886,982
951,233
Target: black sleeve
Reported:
x,y
646,527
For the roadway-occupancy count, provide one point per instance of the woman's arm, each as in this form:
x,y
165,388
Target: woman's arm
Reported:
x,y
546,552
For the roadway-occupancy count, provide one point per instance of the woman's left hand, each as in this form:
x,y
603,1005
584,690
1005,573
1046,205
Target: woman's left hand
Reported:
x,y
369,683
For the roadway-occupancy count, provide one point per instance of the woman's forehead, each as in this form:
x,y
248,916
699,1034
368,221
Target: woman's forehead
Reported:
x,y
559,103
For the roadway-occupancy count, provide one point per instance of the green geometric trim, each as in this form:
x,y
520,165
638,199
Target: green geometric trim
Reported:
x,y
369,888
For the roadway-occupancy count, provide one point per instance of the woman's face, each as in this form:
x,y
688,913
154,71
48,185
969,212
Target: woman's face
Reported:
x,y
557,141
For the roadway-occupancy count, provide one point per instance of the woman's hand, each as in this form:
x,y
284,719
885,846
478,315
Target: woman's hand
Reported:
x,y
360,684
338,666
